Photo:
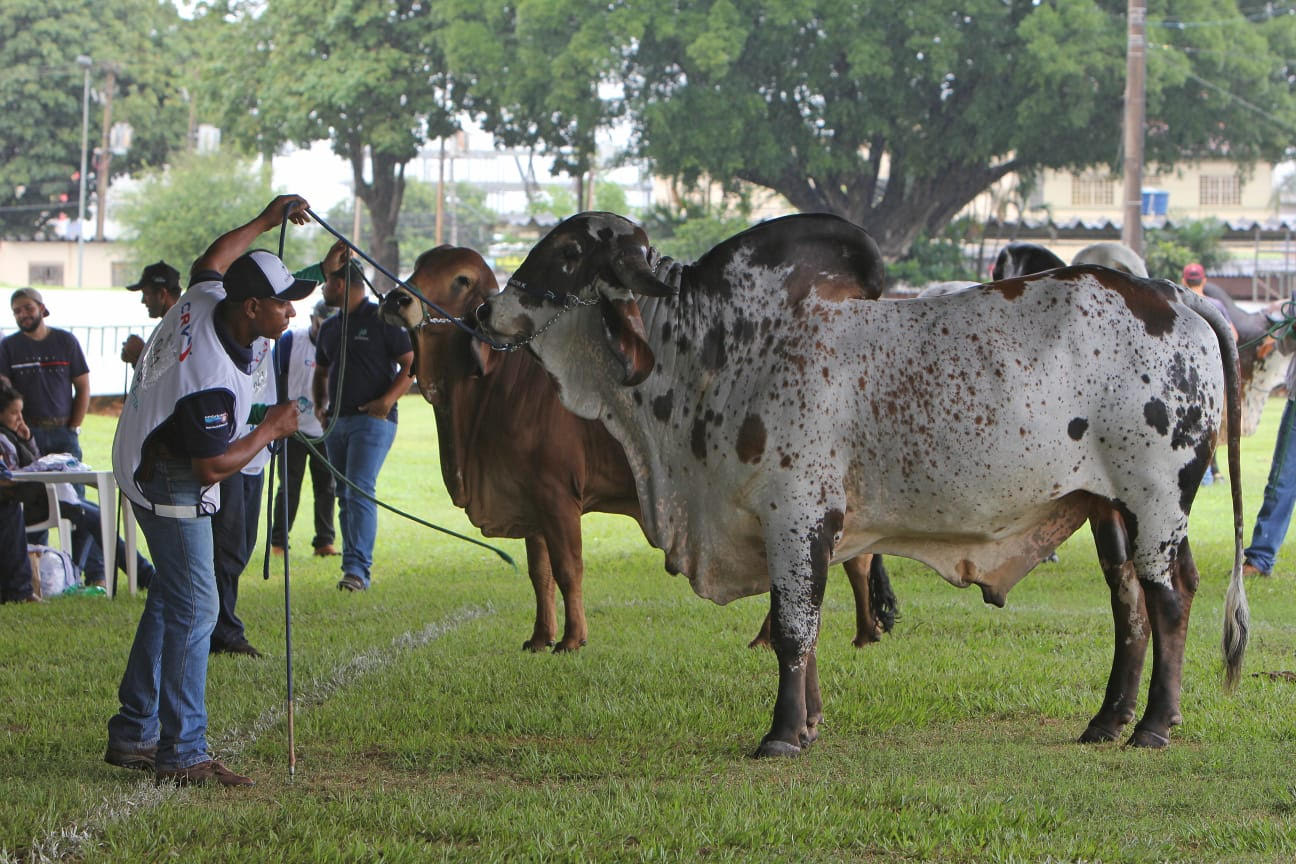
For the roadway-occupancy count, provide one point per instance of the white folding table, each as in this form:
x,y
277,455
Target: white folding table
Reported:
x,y
107,486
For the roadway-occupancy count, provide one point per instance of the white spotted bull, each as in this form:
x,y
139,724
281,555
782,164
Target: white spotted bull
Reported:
x,y
773,429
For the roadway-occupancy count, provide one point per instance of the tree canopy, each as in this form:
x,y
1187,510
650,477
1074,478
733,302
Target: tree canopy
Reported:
x,y
365,75
41,89
896,116
532,72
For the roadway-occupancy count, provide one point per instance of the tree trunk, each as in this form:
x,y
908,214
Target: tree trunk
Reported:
x,y
905,207
382,198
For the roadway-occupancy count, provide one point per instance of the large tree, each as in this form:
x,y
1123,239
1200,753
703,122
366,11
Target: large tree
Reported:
x,y
897,115
41,89
535,74
365,75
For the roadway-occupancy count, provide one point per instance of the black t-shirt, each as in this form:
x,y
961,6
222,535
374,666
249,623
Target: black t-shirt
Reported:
x,y
42,371
373,346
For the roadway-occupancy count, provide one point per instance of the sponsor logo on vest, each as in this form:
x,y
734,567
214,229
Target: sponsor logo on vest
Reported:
x,y
215,421
186,332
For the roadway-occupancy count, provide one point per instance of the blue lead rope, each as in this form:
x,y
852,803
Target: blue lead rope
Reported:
x,y
457,321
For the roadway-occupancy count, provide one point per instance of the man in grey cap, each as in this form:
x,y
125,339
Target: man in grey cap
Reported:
x,y
47,367
159,287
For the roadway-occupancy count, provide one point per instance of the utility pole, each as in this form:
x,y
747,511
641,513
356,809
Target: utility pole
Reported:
x,y
1135,68
440,194
105,153
84,61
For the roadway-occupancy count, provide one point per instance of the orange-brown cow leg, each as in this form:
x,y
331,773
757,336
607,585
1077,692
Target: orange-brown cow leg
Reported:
x,y
762,639
867,626
1168,609
542,582
562,532
1129,616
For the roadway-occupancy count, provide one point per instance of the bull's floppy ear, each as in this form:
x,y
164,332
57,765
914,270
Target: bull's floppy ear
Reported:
x,y
624,329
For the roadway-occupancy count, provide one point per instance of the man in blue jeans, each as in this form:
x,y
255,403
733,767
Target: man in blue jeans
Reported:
x,y
176,440
1280,490
364,385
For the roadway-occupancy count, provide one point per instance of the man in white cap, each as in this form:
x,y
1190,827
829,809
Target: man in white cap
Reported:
x,y
176,440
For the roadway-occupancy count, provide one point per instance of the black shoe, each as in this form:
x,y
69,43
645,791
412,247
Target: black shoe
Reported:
x,y
135,761
351,582
240,647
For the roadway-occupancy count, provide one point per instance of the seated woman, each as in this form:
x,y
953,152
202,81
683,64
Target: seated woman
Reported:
x,y
18,450
15,566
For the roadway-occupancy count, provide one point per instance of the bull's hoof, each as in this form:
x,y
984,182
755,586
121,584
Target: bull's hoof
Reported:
x,y
773,748
1148,738
760,642
1096,734
568,647
535,646
866,637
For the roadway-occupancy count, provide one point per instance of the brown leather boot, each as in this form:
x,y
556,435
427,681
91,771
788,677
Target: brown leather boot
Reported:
x,y
202,774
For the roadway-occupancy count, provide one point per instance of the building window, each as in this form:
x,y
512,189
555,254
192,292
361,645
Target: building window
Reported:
x,y
45,274
1089,190
1220,189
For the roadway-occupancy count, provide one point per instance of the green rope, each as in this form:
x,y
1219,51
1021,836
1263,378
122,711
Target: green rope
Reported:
x,y
338,474
1288,321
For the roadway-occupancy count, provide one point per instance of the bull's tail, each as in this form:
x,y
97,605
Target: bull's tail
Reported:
x,y
1237,617
881,595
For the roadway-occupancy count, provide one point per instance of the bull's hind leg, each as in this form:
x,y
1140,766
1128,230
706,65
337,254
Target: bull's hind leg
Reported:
x,y
874,602
1131,625
1168,607
799,571
542,582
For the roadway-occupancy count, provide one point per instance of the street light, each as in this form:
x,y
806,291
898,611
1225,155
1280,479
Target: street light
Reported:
x,y
84,61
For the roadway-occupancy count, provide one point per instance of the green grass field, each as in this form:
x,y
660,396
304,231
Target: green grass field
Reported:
x,y
424,733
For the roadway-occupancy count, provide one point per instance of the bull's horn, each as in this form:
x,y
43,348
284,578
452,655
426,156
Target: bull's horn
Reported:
x,y
631,268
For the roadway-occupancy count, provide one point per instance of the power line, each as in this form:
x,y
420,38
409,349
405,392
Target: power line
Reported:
x,y
1268,14
1233,97
1244,103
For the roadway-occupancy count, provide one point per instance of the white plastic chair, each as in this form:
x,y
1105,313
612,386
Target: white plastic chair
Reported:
x,y
54,520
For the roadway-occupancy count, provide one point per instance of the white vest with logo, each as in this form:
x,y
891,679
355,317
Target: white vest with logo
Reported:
x,y
183,356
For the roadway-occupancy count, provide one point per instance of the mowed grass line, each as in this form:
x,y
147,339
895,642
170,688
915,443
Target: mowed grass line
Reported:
x,y
951,740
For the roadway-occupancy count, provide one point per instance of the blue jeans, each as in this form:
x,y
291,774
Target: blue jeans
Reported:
x,y
164,690
57,439
1279,495
357,446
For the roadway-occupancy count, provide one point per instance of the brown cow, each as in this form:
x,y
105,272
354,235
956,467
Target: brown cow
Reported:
x,y
522,465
